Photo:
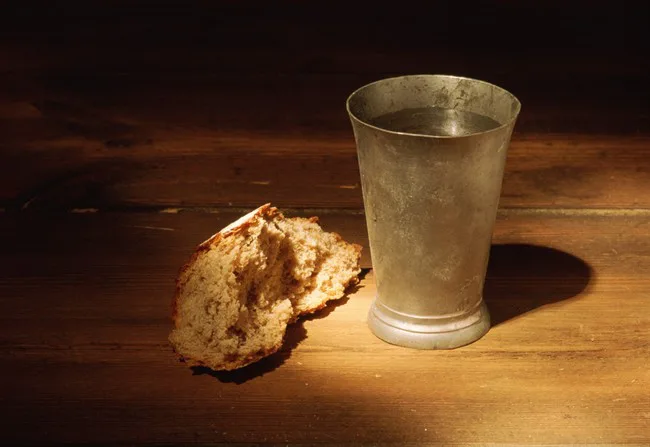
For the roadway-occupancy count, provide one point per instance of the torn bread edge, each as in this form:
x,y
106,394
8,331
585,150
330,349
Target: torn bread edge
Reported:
x,y
234,228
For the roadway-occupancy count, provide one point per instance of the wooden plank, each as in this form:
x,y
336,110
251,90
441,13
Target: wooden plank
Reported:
x,y
84,305
81,152
113,105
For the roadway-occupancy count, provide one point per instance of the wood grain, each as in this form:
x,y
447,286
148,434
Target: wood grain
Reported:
x,y
115,105
84,310
129,155
203,110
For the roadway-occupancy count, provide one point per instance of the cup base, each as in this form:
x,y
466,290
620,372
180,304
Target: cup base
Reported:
x,y
428,333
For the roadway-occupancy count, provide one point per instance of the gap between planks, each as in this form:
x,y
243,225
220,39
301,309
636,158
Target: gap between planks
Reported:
x,y
604,212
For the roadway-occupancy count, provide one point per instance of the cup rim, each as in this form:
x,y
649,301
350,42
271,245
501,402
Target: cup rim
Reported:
x,y
421,135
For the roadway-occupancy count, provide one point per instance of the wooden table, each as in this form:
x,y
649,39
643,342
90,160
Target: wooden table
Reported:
x,y
124,145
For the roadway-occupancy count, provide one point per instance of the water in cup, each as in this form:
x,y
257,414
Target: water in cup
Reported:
x,y
435,121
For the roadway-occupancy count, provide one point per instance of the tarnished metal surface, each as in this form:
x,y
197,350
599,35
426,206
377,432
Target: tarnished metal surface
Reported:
x,y
430,204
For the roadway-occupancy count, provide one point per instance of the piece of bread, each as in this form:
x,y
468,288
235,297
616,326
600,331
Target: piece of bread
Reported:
x,y
244,285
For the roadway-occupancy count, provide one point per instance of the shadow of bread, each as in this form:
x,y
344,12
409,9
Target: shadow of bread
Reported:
x,y
296,333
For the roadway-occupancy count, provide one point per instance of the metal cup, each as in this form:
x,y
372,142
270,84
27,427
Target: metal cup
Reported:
x,y
430,203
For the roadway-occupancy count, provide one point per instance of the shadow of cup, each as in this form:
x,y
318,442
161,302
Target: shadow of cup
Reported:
x,y
522,278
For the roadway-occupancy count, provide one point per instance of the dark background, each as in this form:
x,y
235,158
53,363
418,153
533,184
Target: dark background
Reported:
x,y
106,103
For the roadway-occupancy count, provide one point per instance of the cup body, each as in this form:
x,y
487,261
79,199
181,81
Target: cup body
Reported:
x,y
430,203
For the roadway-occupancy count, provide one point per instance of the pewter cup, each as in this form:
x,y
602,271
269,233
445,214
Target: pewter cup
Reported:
x,y
431,202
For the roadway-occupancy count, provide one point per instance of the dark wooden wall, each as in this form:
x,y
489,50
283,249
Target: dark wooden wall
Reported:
x,y
122,105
